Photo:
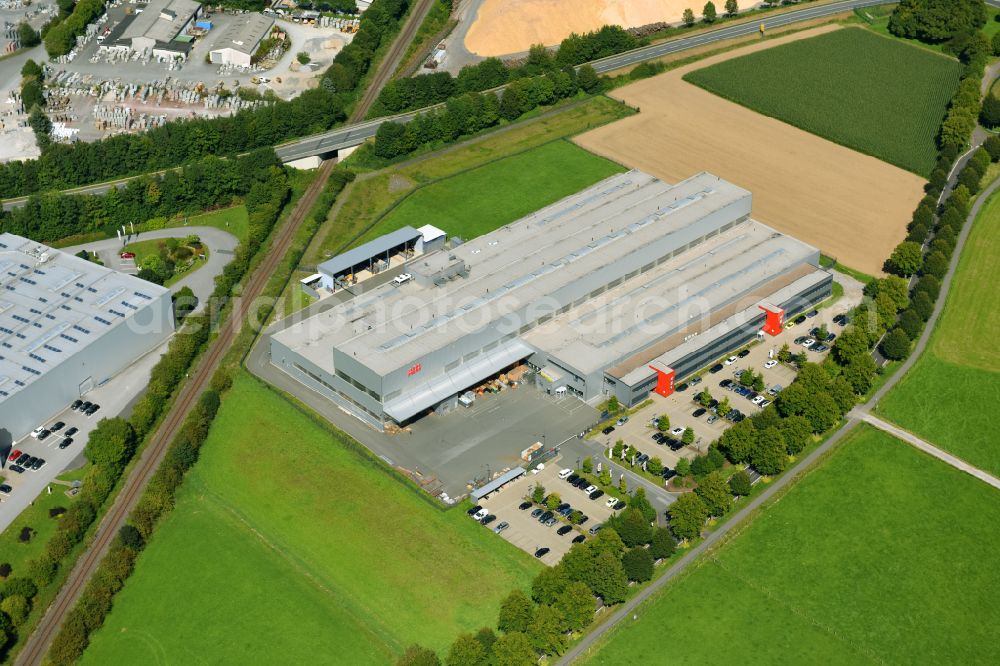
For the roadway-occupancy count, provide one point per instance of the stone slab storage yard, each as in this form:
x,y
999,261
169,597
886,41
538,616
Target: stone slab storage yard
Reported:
x,y
820,192
510,26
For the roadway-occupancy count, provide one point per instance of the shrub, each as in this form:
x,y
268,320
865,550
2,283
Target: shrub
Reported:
x,y
990,113
992,144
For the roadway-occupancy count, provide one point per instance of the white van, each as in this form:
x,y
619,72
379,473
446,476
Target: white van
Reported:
x,y
401,279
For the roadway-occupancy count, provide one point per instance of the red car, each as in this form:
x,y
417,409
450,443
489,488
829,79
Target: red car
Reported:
x,y
14,455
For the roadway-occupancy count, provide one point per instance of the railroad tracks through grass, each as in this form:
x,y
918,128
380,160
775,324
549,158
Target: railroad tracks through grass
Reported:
x,y
37,645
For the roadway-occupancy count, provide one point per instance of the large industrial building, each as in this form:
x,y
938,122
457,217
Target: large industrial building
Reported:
x,y
156,29
240,40
66,326
617,290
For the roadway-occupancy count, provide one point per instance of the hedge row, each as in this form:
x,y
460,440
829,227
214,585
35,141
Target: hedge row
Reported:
x,y
472,112
60,38
159,496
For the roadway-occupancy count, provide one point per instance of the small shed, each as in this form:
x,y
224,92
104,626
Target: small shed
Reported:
x,y
431,238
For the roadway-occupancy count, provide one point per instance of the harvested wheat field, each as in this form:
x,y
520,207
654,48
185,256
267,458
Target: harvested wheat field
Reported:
x,y
852,206
511,26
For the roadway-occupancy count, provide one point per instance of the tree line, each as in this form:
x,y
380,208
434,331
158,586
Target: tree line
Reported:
x,y
472,112
114,442
417,92
63,166
158,498
60,34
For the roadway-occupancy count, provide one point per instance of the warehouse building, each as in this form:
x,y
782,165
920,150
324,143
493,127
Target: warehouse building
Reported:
x,y
158,30
617,290
240,40
66,326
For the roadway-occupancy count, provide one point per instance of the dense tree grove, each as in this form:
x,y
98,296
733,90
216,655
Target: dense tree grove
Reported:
x,y
420,91
60,37
936,20
207,183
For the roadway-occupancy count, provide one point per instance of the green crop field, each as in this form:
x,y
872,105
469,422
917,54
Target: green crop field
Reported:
x,y
947,397
880,555
287,547
874,94
480,200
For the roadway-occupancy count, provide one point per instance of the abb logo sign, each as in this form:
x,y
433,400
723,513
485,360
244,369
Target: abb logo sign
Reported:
x,y
414,370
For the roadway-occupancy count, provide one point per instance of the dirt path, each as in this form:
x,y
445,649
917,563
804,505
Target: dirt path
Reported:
x,y
851,206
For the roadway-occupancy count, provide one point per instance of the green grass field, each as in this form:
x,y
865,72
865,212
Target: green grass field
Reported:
x,y
879,555
876,95
478,201
36,516
947,397
285,545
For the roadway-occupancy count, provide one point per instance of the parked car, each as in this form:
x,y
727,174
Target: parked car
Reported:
x,y
668,473
583,519
713,418
699,412
84,406
608,430
715,368
611,502
76,405
57,426
488,519
474,510
808,342
730,360
565,529
589,489
765,404
596,528
565,473
16,469
501,527
14,455
38,431
5,489
92,409
65,443
694,381
30,462
676,445
23,459
619,505
550,522
537,512
562,506
819,349
479,515
677,432
738,373
758,400
622,421
72,430
799,340
744,353
545,516
572,478
726,383
812,313
841,320
798,320
565,512
770,364
680,388
541,552
44,434
579,538
581,482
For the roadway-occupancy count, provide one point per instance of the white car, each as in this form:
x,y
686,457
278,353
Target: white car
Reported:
x,y
808,342
611,502
590,489
759,399
401,279
765,404
564,473
770,364
37,431
479,515
677,432
730,360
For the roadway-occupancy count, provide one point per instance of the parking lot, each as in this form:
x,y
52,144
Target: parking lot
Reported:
x,y
681,406
526,532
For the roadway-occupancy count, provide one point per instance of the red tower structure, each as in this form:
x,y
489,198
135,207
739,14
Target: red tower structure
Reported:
x,y
664,379
775,321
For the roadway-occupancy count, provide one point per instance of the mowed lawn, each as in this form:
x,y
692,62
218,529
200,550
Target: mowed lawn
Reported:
x,y
874,94
286,547
881,555
480,200
949,395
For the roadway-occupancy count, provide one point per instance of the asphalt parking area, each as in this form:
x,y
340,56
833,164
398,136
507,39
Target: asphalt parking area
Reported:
x,y
526,532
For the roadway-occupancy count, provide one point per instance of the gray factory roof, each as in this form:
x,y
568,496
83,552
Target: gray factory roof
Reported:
x,y
154,23
362,253
244,33
523,263
53,305
669,298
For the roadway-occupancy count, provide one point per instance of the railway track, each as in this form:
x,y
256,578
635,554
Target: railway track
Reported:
x,y
392,59
38,644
